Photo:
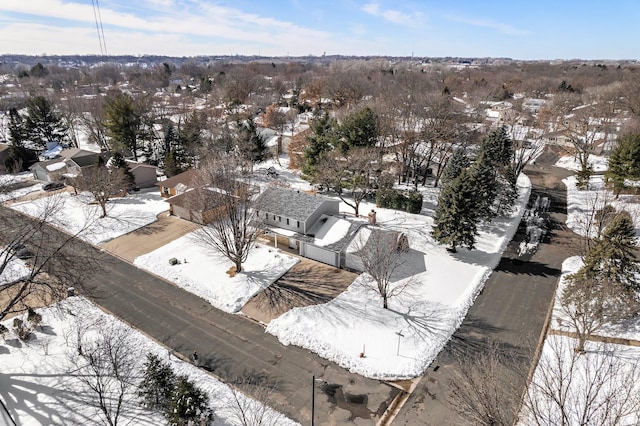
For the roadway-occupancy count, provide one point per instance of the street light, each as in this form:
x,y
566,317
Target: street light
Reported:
x,y
399,333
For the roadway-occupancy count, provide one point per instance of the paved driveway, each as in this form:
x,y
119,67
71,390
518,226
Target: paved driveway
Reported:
x,y
148,238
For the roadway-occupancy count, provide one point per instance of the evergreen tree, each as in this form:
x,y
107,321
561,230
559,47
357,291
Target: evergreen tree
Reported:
x,y
583,176
456,164
188,403
158,383
507,192
118,162
359,129
612,256
624,162
322,139
498,147
482,177
124,122
43,124
18,134
252,146
456,215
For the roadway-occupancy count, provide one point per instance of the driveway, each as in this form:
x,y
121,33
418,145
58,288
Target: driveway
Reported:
x,y
148,238
307,283
509,313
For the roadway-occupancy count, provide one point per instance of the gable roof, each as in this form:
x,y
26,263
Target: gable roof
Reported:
x,y
290,203
185,179
199,199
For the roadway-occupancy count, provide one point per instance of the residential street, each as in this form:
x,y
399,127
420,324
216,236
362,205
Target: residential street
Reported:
x,y
232,346
509,313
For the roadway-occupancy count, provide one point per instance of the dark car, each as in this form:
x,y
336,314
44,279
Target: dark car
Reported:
x,y
21,251
52,186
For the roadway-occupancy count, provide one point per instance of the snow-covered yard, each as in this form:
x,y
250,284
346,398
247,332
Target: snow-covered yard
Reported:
x,y
77,215
40,386
204,272
6,182
402,341
599,163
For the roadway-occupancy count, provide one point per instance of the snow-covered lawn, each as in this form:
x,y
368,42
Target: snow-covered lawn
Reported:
x,y
204,272
600,164
40,387
581,205
402,341
7,180
77,215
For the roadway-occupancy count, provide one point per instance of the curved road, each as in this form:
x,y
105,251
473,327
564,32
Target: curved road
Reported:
x,y
510,312
230,346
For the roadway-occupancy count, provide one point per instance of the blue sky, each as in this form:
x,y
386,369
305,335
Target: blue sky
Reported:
x,y
533,29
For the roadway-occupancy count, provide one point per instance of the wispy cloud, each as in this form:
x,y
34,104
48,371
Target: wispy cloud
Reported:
x,y
394,16
486,23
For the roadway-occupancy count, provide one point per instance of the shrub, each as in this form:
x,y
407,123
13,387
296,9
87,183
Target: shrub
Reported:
x,y
33,317
21,330
409,201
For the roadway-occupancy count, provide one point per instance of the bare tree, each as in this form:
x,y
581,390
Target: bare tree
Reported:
x,y
232,228
37,263
381,253
106,362
598,388
256,410
484,388
353,175
103,183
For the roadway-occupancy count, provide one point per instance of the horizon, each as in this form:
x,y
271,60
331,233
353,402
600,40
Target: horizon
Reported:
x,y
288,29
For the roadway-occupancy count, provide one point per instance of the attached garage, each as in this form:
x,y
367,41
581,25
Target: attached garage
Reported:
x,y
320,254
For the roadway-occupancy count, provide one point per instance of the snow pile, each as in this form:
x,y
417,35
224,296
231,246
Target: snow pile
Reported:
x,y
77,215
39,385
203,271
400,342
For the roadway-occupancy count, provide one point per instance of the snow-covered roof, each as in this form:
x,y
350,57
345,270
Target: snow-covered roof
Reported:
x,y
56,166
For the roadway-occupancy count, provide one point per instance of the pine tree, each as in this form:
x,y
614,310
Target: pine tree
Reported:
x,y
43,124
456,164
482,176
322,139
124,122
252,145
456,215
118,162
188,403
359,129
158,383
498,147
624,162
612,256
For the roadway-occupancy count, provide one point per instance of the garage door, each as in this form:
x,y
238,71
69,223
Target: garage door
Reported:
x,y
320,254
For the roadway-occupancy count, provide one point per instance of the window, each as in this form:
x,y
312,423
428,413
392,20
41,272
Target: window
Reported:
x,y
165,190
287,221
279,219
298,224
274,217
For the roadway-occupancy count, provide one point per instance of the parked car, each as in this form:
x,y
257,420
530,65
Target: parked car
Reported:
x,y
52,186
20,251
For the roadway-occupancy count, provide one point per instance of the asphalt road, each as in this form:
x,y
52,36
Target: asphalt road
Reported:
x,y
509,313
230,346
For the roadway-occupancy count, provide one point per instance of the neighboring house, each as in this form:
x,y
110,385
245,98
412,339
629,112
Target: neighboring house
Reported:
x,y
70,162
365,241
145,175
177,184
306,222
200,205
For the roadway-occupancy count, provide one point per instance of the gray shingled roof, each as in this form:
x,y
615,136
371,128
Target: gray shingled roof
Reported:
x,y
289,203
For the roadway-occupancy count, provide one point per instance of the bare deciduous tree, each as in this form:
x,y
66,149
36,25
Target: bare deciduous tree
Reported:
x,y
484,388
106,361
38,264
232,227
598,388
257,410
103,183
381,253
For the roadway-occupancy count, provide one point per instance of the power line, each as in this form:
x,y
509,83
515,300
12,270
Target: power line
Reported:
x,y
99,28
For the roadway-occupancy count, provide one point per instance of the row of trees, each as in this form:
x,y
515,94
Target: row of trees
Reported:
x,y
475,192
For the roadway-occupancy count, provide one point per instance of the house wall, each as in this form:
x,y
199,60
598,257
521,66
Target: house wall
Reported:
x,y
187,214
166,192
281,222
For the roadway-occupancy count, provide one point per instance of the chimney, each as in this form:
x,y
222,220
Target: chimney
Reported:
x,y
372,217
